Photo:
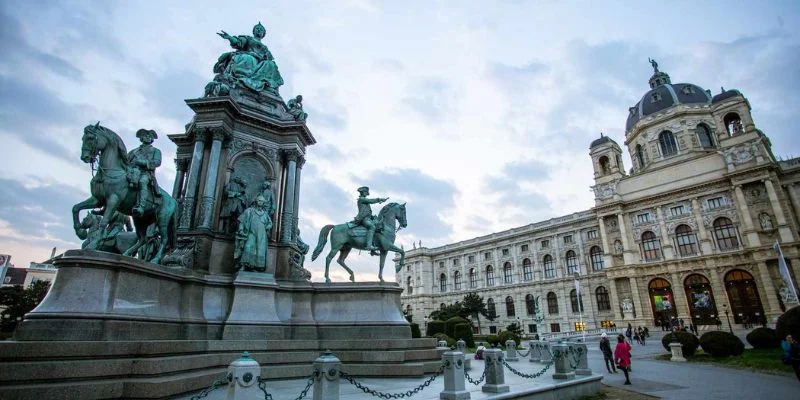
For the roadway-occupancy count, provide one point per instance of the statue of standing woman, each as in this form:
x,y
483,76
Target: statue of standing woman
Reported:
x,y
252,237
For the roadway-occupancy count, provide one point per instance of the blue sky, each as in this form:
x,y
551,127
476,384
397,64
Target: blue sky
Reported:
x,y
478,114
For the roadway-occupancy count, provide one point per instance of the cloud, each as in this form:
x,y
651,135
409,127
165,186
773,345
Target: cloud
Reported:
x,y
431,99
168,91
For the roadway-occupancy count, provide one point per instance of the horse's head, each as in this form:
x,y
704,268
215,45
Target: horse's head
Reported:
x,y
92,142
401,215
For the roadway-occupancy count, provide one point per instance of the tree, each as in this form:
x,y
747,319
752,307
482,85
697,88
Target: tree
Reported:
x,y
453,310
475,306
515,328
18,302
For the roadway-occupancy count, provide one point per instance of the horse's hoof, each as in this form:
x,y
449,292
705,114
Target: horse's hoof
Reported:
x,y
352,278
327,280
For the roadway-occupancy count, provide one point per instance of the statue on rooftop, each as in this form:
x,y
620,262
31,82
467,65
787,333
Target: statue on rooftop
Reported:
x,y
295,106
250,65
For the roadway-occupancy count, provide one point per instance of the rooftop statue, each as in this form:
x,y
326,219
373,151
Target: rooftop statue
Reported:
x,y
250,65
359,234
125,184
295,107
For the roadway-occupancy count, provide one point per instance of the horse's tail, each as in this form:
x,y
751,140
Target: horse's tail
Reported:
x,y
173,228
323,239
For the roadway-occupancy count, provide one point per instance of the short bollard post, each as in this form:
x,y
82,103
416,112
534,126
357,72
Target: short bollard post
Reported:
x,y
535,351
561,362
495,377
453,377
511,350
326,382
545,352
677,352
243,375
583,360
461,346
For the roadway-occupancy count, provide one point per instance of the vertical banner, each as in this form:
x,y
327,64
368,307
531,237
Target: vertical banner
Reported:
x,y
788,290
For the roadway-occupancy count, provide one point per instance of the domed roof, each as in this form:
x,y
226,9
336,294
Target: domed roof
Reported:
x,y
664,94
726,94
601,140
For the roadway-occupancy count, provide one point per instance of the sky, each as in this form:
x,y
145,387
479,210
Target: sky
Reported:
x,y
477,114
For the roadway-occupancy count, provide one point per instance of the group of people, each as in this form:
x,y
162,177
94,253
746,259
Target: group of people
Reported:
x,y
620,359
639,334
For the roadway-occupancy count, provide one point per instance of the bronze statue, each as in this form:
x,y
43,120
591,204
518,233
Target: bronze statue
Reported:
x,y
252,237
235,204
365,217
144,160
295,107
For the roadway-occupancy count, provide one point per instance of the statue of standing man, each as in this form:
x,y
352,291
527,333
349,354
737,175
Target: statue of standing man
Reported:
x,y
252,237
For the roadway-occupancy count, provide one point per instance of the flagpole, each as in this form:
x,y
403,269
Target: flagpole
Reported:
x,y
580,305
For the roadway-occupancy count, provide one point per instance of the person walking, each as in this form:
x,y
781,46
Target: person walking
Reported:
x,y
622,356
642,336
608,356
791,354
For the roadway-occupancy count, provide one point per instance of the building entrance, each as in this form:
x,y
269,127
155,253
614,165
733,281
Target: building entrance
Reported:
x,y
662,301
743,295
702,307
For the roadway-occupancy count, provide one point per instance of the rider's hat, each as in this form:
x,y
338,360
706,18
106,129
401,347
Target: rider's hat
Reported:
x,y
143,131
363,189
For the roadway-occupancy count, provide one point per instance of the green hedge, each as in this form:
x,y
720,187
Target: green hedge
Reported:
x,y
464,331
415,332
434,327
441,336
788,324
763,338
493,340
508,335
689,342
450,326
721,344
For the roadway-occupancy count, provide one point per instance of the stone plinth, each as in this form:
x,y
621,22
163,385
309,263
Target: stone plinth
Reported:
x,y
562,362
495,376
677,352
454,387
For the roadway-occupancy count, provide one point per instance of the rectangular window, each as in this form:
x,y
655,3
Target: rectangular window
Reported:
x,y
524,248
487,256
505,252
568,239
716,202
579,326
455,262
545,244
592,234
441,264
531,328
492,329
471,259
676,211
555,328
640,218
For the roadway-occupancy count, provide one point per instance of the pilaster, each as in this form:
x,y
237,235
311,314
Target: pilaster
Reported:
x,y
705,242
783,229
218,135
770,296
666,244
287,219
744,210
187,213
628,254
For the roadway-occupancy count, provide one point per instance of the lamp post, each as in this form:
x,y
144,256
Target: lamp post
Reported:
x,y
426,325
580,304
727,317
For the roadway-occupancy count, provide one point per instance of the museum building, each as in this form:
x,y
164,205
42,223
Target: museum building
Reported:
x,y
688,233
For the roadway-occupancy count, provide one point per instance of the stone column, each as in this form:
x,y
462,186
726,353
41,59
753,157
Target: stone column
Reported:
x,y
637,301
494,368
195,166
702,233
608,259
326,381
771,295
180,174
210,188
613,298
453,377
511,350
681,303
627,253
783,229
287,219
667,247
792,188
747,219
561,360
296,212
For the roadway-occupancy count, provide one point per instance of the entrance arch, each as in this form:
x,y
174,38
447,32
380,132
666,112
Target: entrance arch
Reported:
x,y
743,295
702,307
661,300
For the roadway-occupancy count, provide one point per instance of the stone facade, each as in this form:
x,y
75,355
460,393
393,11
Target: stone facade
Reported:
x,y
687,233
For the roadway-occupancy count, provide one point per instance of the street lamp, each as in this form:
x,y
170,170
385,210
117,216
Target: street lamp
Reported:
x,y
426,325
727,317
580,303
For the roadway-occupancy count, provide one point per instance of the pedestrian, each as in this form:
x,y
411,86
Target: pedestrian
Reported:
x,y
791,354
636,337
719,324
646,332
608,356
681,322
629,332
622,356
641,336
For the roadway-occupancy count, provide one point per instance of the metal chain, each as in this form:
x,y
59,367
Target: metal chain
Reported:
x,y
473,381
529,376
524,354
214,386
382,395
262,384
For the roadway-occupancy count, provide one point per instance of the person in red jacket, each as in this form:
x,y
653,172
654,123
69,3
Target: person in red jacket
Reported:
x,y
622,355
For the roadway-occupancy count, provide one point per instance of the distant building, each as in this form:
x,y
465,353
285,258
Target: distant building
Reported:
x,y
40,272
686,234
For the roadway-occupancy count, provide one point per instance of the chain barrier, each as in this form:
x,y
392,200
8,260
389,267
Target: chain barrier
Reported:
x,y
523,355
473,381
529,376
262,384
383,395
214,386
575,356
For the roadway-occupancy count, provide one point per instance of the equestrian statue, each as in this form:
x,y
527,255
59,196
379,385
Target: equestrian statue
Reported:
x,y
125,183
365,232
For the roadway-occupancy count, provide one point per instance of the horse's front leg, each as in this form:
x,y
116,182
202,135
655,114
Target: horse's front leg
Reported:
x,y
383,260
342,256
392,247
91,202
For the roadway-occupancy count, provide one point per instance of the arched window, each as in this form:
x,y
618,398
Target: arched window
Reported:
x,y
490,307
687,241
549,269
725,233
596,256
603,303
489,276
527,270
651,246
667,142
409,289
473,278
576,301
457,280
704,136
442,306
733,124
442,283
640,155
509,307
604,167
552,303
572,262
530,304
507,278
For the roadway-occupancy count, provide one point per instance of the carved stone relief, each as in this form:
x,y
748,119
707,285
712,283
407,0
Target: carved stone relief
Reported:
x,y
606,190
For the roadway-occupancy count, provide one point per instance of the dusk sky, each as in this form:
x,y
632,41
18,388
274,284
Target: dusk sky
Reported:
x,y
478,114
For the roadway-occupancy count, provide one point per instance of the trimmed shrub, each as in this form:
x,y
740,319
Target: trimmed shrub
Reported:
x,y
788,324
763,338
441,336
434,327
415,333
464,331
721,344
493,340
689,342
450,326
505,336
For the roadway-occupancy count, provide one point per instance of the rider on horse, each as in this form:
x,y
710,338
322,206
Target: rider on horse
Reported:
x,y
365,217
144,160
